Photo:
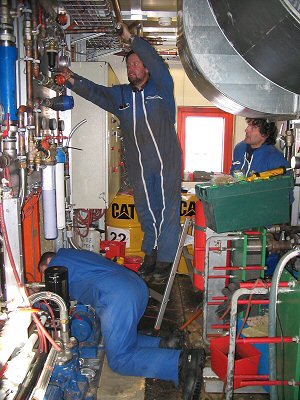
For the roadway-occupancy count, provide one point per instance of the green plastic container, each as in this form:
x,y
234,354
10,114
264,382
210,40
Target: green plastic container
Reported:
x,y
246,205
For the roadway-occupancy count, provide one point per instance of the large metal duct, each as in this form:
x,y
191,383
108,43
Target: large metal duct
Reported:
x,y
266,34
221,74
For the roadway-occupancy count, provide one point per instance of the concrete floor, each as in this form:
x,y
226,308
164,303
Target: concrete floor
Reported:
x,y
183,304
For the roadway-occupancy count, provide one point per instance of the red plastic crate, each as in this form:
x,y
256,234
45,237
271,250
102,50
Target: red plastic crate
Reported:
x,y
133,262
247,359
113,248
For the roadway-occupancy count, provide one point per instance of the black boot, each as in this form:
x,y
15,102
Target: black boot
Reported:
x,y
148,264
191,364
162,270
176,340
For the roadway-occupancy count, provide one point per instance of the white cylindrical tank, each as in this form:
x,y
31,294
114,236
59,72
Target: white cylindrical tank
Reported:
x,y
49,202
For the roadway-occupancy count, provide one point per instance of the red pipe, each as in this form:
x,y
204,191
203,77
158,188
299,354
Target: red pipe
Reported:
x,y
219,276
251,285
218,303
220,326
251,377
267,383
249,268
257,340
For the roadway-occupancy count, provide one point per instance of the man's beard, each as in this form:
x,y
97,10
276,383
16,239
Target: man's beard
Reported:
x,y
135,81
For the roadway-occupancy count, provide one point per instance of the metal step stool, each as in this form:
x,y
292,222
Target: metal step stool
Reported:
x,y
165,298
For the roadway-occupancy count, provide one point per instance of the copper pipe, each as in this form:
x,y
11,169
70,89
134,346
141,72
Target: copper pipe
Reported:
x,y
21,118
36,65
22,155
117,10
29,56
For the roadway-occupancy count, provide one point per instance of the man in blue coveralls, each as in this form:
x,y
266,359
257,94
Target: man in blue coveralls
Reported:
x,y
257,153
147,112
120,297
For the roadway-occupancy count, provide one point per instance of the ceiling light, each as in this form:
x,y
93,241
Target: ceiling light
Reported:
x,y
165,21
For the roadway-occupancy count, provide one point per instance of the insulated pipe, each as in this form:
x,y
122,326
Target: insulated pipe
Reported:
x,y
60,189
63,312
49,202
272,314
31,379
8,57
41,387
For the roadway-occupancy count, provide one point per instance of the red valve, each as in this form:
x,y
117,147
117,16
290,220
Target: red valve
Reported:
x,y
60,80
62,19
45,144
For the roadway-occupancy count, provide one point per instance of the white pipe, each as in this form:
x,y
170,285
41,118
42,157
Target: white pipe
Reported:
x,y
49,202
41,387
60,195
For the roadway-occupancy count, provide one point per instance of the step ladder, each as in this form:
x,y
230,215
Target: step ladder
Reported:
x,y
163,299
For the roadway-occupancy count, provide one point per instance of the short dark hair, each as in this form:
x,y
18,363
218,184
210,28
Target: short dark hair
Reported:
x,y
266,128
44,258
129,54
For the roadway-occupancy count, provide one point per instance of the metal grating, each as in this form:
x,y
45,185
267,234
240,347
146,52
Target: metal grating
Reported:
x,y
93,16
97,13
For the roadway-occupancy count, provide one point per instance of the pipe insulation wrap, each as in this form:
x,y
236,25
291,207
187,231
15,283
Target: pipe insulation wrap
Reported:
x,y
60,195
8,95
49,202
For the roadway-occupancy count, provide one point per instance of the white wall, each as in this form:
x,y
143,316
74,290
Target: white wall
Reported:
x,y
185,92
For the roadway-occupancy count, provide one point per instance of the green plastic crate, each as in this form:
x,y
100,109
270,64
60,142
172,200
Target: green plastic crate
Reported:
x,y
246,205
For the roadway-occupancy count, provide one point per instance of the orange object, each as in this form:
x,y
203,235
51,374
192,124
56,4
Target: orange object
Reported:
x,y
31,239
60,79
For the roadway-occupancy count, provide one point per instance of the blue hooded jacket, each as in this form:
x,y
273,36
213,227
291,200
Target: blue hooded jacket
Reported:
x,y
264,158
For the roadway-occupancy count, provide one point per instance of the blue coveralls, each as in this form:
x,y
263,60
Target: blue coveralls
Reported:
x,y
263,159
119,297
153,154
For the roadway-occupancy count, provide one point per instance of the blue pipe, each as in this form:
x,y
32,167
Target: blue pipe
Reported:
x,y
8,96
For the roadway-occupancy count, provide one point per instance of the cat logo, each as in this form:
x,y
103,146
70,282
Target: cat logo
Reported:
x,y
122,211
187,209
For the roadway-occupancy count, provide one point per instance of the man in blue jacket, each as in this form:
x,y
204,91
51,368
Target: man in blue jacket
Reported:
x,y
146,109
119,297
257,153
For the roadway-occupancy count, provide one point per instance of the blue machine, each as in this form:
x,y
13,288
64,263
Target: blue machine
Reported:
x,y
78,379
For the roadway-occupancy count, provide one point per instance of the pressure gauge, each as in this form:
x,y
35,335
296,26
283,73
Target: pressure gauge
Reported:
x,y
61,125
52,124
44,123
